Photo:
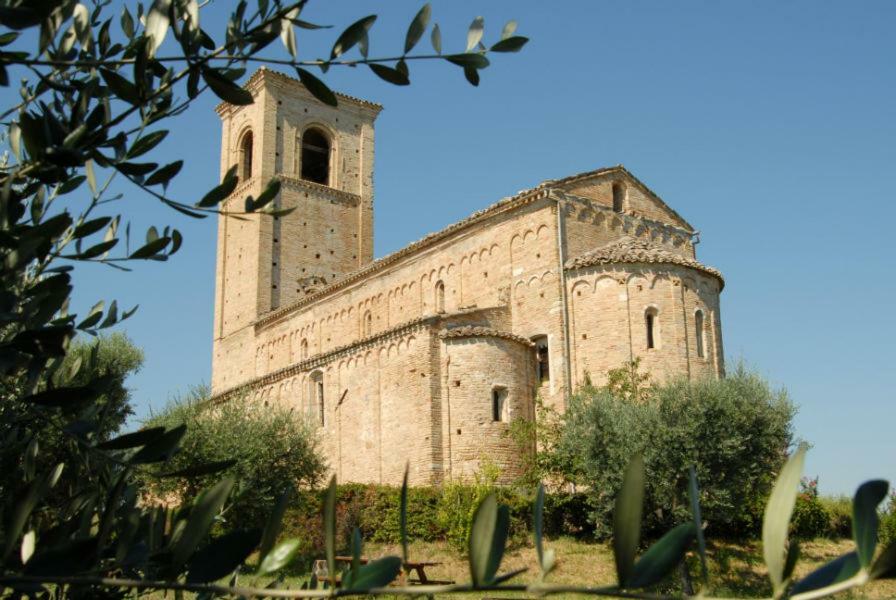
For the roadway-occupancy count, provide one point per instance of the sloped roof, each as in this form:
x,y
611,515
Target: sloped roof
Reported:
x,y
629,250
585,175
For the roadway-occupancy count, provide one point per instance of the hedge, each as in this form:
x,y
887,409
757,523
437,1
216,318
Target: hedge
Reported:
x,y
434,514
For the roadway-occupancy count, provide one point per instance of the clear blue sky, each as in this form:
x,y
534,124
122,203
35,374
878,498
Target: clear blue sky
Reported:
x,y
771,126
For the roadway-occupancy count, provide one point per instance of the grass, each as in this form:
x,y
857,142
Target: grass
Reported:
x,y
736,570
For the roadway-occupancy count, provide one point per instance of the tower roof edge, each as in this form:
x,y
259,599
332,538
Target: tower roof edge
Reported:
x,y
263,72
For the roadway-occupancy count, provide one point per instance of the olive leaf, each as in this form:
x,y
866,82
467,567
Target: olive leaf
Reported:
x,y
417,27
488,537
778,511
206,507
317,87
627,520
864,517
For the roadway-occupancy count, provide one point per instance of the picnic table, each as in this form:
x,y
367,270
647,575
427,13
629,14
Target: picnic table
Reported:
x,y
408,568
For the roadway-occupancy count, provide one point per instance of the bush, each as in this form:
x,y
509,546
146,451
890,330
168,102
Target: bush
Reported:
x,y
839,509
810,519
272,447
434,514
735,431
888,522
381,517
458,502
566,513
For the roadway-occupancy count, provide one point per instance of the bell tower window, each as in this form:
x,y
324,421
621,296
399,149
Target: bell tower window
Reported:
x,y
245,170
316,157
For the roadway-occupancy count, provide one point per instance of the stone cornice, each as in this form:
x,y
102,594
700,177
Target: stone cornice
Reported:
x,y
332,193
241,189
254,84
468,331
324,357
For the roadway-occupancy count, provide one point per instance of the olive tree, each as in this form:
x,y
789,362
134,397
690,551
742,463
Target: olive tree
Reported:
x,y
735,431
271,449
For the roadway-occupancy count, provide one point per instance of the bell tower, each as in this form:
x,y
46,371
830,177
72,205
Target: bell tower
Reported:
x,y
323,157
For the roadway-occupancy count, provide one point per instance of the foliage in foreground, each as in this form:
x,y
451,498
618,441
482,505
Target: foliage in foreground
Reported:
x,y
266,449
735,431
33,443
92,88
638,571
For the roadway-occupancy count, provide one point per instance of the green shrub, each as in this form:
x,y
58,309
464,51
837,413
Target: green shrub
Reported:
x,y
434,514
735,431
888,522
458,502
840,510
566,513
381,517
272,448
810,518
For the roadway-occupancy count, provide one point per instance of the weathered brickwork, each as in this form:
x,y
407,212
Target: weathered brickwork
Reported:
x,y
424,356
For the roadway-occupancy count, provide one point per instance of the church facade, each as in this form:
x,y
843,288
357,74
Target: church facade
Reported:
x,y
424,356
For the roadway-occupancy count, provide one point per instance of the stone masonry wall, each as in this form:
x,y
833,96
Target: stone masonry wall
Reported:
x,y
473,369
609,325
396,360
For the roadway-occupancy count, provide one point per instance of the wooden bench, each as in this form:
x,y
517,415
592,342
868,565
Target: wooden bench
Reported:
x,y
418,568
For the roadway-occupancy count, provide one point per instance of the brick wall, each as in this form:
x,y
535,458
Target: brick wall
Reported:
x,y
298,300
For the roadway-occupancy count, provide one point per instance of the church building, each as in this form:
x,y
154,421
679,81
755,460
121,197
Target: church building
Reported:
x,y
426,355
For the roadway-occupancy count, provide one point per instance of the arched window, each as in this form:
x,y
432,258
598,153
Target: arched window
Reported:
x,y
245,170
304,348
367,324
440,297
651,326
500,406
542,359
618,197
317,391
316,157
698,330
